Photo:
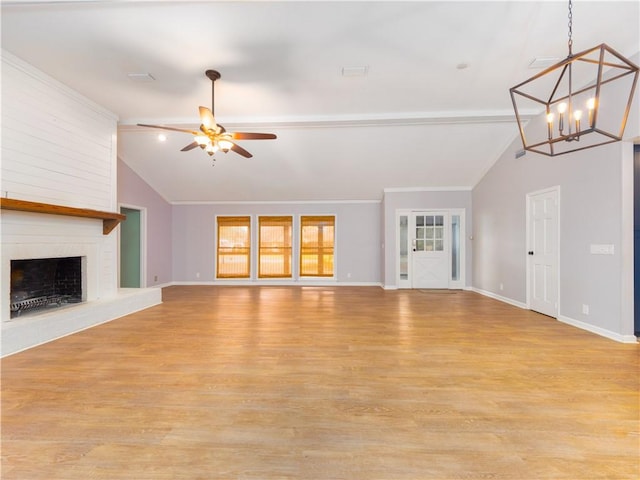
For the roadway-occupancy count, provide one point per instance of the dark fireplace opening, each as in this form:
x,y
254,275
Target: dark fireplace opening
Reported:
x,y
41,283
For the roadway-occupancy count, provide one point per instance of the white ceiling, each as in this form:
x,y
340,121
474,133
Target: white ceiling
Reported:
x,y
416,120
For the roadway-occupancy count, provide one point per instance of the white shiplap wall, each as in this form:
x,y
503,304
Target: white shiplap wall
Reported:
x,y
58,147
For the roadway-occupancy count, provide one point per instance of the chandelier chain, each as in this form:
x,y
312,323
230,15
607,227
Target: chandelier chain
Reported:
x,y
570,42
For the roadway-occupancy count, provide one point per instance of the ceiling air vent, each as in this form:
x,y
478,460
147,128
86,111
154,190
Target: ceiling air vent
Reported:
x,y
355,71
140,77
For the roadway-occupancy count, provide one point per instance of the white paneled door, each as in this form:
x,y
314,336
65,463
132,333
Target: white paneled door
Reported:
x,y
543,228
430,245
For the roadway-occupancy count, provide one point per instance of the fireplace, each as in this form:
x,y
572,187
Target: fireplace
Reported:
x,y
40,284
33,235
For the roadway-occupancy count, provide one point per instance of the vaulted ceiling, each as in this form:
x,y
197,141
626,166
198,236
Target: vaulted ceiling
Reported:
x,y
433,109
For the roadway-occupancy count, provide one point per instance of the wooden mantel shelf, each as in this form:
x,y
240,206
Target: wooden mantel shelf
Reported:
x,y
110,220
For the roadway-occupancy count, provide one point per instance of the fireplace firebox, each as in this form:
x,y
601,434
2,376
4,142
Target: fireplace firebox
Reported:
x,y
42,283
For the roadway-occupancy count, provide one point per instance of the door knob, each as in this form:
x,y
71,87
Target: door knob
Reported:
x,y
530,252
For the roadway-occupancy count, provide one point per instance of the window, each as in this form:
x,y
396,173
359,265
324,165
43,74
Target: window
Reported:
x,y
274,247
429,233
316,246
234,247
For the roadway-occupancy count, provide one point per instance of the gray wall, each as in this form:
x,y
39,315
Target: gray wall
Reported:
x,y
421,200
133,191
357,257
596,199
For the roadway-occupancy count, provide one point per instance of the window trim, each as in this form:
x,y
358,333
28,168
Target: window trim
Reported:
x,y
333,275
217,247
259,247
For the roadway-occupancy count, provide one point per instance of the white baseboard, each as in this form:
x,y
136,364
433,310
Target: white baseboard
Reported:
x,y
395,287
569,321
22,333
598,330
495,296
279,283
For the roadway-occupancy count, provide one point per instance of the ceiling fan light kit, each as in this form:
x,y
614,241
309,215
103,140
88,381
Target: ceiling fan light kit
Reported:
x,y
212,136
593,114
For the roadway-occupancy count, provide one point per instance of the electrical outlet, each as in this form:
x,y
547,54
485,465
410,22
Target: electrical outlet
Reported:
x,y
585,309
501,287
155,278
197,274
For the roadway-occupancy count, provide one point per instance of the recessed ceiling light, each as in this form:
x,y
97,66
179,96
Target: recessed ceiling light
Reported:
x,y
360,71
140,77
162,137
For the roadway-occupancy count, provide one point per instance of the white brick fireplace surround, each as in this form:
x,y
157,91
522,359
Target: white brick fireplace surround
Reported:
x,y
34,235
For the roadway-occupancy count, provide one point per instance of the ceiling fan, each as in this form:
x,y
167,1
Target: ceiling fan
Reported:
x,y
213,136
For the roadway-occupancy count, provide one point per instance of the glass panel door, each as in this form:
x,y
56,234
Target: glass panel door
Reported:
x,y
430,249
404,246
430,255
455,247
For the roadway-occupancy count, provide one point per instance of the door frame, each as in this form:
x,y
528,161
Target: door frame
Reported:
x,y
461,283
453,285
528,260
443,255
143,242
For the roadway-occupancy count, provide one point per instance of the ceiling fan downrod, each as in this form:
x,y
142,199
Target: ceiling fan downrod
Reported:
x,y
213,75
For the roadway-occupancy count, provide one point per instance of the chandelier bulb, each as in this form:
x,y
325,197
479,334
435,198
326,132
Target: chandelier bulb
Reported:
x,y
561,109
577,115
591,105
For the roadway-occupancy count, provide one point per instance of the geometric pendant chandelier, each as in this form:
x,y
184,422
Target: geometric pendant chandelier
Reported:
x,y
586,99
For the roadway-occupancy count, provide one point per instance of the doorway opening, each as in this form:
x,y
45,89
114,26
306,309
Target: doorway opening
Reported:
x,y
430,249
132,248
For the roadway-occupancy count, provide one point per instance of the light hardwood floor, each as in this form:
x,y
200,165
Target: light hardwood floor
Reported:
x,y
323,383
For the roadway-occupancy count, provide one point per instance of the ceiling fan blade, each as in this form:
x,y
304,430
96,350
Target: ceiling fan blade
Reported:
x,y
173,129
191,146
238,149
207,119
252,136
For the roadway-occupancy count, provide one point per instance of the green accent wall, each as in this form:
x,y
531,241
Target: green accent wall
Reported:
x,y
130,236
